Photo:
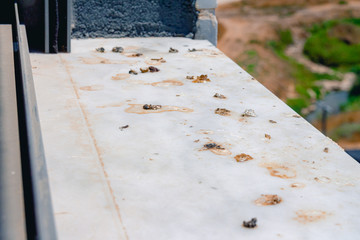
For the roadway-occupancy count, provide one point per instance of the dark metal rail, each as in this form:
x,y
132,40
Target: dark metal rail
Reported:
x,y
25,202
12,210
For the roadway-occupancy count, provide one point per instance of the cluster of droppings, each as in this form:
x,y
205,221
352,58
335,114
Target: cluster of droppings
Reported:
x,y
218,95
268,199
173,50
216,149
297,185
149,69
200,79
100,49
267,136
243,157
280,171
249,113
322,179
309,216
272,121
139,109
117,49
151,107
250,224
223,112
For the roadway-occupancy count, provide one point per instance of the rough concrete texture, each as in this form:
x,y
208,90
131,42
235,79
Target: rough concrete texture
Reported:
x,y
206,4
206,26
128,18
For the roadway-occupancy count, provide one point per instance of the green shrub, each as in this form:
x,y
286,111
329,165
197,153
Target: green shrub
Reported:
x,y
286,37
342,2
346,130
297,104
322,48
353,104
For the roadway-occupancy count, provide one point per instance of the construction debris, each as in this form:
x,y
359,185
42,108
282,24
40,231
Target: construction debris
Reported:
x,y
100,49
223,112
117,49
250,224
201,79
133,72
151,107
249,113
218,95
173,50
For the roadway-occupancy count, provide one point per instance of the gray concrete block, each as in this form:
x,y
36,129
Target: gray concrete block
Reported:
x,y
206,4
128,18
206,26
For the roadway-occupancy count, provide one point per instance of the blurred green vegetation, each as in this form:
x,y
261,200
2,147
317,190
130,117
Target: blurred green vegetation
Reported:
x,y
329,43
346,130
353,103
305,79
250,62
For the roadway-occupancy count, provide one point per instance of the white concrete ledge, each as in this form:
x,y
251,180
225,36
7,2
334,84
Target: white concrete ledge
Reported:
x,y
190,169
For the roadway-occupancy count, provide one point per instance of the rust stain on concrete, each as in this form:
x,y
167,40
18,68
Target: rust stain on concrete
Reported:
x,y
297,185
309,216
92,88
120,76
268,199
280,171
167,83
111,105
243,157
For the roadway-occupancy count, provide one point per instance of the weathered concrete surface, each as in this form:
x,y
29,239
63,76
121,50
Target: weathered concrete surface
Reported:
x,y
118,171
128,18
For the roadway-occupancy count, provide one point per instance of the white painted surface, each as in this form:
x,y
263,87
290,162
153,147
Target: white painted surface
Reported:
x,y
152,180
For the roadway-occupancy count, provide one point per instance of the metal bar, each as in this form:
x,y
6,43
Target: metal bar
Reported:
x,y
68,28
46,26
12,212
42,206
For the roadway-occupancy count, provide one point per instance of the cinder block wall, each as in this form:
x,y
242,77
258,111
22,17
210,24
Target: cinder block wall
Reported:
x,y
144,18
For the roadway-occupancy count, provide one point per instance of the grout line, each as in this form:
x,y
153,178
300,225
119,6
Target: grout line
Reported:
x,y
83,111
